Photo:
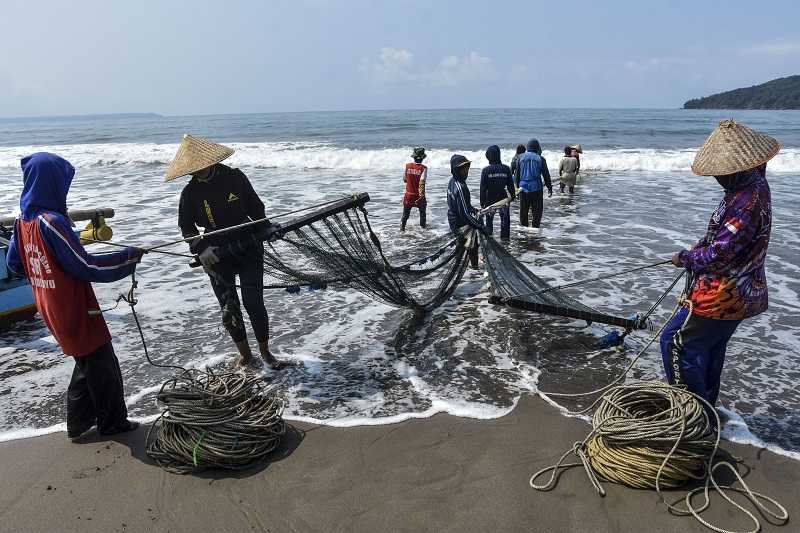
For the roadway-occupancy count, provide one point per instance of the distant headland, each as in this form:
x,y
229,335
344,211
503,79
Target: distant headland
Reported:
x,y
781,93
68,118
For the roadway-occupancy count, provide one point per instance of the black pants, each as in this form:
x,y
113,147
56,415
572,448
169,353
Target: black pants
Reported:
x,y
95,394
505,222
251,278
531,202
407,213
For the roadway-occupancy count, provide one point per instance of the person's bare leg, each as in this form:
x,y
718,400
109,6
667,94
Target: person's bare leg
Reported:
x,y
270,359
245,354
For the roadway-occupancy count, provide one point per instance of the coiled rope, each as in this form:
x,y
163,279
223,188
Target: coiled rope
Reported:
x,y
652,435
228,419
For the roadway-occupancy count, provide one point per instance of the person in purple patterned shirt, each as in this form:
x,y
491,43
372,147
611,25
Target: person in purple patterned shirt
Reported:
x,y
726,267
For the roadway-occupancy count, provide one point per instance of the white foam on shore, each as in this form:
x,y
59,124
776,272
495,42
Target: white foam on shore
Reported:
x,y
29,433
305,155
736,430
461,409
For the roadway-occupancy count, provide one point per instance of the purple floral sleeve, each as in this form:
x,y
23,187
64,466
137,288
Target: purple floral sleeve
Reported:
x,y
730,231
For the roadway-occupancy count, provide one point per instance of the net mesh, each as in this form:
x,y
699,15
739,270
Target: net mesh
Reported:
x,y
513,284
336,245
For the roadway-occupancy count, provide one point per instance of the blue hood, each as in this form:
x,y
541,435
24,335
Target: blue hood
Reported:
x,y
45,182
533,146
493,154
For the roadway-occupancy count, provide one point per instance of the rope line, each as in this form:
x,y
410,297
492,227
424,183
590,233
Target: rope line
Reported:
x,y
652,435
228,419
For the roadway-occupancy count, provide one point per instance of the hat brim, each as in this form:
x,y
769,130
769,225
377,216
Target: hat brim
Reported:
x,y
732,148
194,155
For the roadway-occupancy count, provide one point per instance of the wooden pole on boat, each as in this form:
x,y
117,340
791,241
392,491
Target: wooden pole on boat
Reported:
x,y
74,214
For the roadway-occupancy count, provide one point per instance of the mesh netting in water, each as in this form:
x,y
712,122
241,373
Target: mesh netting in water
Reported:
x,y
335,245
514,285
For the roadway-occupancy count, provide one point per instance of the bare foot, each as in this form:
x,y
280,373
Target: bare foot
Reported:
x,y
241,362
275,364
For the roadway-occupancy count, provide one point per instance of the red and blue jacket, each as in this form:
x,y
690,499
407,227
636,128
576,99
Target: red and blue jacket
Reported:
x,y
47,252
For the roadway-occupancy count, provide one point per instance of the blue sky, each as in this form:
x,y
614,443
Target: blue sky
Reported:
x,y
177,57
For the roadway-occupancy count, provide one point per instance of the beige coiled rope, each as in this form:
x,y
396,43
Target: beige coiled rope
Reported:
x,y
652,435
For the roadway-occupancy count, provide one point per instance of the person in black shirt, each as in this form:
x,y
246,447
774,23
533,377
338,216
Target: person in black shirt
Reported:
x,y
496,185
219,197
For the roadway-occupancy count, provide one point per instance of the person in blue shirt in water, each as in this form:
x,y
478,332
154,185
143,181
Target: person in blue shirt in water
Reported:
x,y
460,212
532,169
496,185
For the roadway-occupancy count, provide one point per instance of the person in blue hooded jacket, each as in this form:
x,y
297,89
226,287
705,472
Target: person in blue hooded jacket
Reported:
x,y
45,250
460,213
496,185
532,169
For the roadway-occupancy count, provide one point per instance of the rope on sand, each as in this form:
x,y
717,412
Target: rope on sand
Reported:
x,y
228,419
651,435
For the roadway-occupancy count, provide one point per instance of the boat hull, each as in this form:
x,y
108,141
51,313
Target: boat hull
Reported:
x,y
16,303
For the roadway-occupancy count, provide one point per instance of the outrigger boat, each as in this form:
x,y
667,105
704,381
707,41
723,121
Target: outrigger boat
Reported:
x,y
16,297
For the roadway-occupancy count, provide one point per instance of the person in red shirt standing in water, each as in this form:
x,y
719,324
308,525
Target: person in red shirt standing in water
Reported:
x,y
415,175
47,252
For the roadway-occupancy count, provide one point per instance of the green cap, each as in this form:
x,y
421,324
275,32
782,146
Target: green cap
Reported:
x,y
418,153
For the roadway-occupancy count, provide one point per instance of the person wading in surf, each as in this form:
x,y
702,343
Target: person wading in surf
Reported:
x,y
568,170
219,197
414,177
515,167
460,213
727,265
532,168
45,250
496,185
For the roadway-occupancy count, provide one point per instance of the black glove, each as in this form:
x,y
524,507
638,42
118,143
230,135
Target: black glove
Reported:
x,y
549,192
268,232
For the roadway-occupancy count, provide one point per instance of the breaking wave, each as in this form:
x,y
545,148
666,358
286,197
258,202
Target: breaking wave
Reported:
x,y
308,155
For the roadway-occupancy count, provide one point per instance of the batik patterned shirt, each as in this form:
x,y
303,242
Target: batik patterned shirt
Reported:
x,y
728,263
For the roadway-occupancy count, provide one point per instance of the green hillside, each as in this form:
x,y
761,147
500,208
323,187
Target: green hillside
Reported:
x,y
782,93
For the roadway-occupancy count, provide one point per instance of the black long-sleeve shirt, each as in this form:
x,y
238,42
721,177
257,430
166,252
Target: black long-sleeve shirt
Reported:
x,y
496,184
226,200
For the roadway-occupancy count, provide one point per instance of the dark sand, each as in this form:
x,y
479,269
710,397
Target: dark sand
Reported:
x,y
439,474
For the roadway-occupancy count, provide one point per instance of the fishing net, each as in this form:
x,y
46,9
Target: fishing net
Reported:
x,y
514,285
335,245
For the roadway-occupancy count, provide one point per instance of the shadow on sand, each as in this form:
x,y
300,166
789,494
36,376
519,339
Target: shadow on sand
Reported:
x,y
136,441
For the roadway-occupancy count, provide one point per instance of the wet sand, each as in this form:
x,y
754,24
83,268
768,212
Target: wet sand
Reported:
x,y
440,474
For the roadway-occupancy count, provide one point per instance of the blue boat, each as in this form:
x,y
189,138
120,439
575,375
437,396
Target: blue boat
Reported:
x,y
16,297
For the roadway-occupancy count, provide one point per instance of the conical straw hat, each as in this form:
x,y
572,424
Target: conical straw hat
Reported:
x,y
196,154
731,148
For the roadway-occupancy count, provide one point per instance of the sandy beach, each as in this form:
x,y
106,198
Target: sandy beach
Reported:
x,y
439,474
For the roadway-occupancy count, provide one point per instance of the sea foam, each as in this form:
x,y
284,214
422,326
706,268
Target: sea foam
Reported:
x,y
305,156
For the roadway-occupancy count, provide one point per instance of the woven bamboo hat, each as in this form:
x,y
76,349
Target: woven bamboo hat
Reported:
x,y
731,148
196,154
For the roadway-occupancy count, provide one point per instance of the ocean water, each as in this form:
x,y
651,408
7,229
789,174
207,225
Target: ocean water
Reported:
x,y
363,362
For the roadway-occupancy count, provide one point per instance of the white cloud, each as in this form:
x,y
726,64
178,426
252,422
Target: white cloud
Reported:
x,y
453,70
393,65
656,63
777,48
396,65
